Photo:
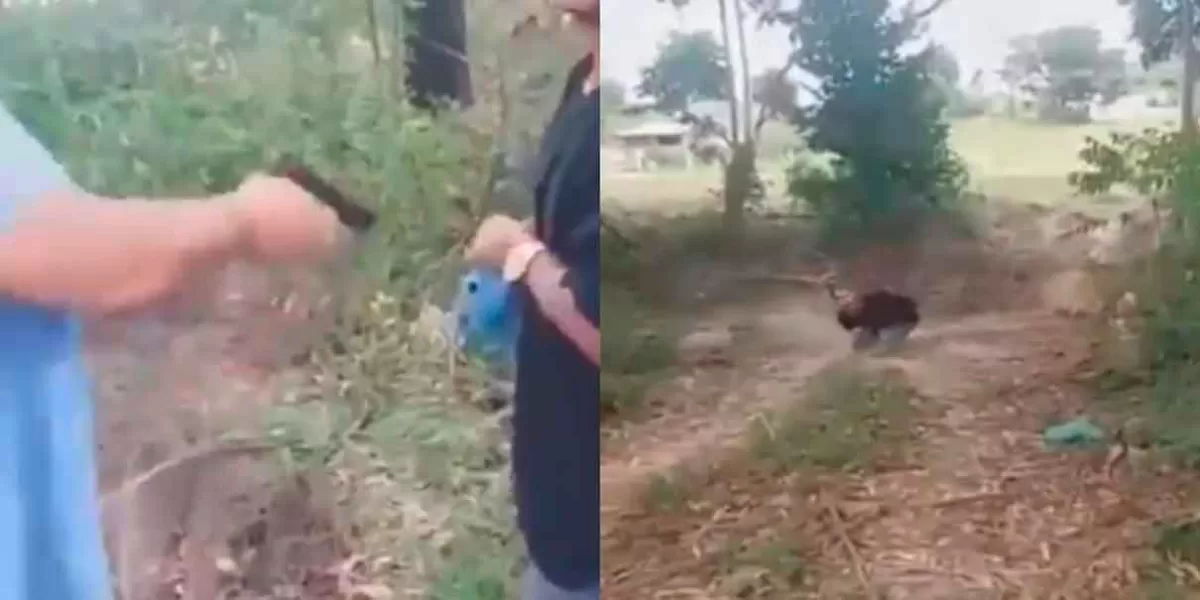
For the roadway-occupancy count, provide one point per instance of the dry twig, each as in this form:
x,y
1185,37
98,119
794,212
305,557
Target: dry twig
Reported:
x,y
856,559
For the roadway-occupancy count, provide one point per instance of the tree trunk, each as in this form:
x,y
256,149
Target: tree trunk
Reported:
x,y
1187,117
739,179
397,47
747,88
437,68
373,32
735,130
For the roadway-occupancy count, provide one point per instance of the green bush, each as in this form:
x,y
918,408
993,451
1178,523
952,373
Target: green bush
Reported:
x,y
183,99
637,350
140,112
1162,165
880,120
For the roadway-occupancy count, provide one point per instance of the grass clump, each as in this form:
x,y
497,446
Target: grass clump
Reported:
x,y
635,355
638,348
1170,572
847,420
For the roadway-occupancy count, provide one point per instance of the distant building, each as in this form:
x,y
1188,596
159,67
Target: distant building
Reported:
x,y
652,138
1147,105
652,143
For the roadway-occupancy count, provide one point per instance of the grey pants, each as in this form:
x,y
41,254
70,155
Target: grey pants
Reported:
x,y
537,587
891,338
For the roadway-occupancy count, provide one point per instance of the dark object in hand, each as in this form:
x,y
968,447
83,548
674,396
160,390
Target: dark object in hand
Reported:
x,y
352,214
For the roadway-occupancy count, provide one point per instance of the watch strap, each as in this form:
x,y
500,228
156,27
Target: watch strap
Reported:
x,y
518,259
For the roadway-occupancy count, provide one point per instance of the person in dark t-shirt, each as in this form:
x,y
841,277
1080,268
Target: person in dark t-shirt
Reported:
x,y
556,263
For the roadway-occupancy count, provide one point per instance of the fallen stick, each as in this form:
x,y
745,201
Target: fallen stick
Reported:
x,y
188,460
856,560
790,279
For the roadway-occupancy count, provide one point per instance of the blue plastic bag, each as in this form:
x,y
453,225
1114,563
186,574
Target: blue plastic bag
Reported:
x,y
488,317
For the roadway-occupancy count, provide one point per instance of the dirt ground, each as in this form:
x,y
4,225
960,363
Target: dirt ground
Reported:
x,y
190,511
972,505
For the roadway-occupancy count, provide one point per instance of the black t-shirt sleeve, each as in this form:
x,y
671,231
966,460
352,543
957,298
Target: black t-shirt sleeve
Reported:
x,y
583,274
578,224
573,197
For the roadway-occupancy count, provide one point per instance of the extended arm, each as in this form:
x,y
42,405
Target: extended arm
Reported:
x,y
61,247
568,300
70,250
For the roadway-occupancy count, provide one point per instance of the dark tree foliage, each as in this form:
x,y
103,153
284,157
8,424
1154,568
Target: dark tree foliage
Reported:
x,y
1156,27
688,67
879,113
438,69
1066,67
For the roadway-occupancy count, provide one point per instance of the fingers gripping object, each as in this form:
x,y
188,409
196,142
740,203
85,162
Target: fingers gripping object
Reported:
x,y
262,341
488,317
351,214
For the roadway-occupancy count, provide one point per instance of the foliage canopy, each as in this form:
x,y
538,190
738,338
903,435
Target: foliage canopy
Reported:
x,y
688,67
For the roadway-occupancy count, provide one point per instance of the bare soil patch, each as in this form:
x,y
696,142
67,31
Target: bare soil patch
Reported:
x,y
972,505
190,511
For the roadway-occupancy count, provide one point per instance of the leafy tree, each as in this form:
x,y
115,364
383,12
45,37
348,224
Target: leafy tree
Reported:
x,y
1066,67
689,67
947,76
878,114
741,181
775,95
944,65
1160,28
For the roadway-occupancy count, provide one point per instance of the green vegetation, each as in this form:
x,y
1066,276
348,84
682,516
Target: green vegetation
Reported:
x,y
880,122
182,99
1066,68
1165,166
847,421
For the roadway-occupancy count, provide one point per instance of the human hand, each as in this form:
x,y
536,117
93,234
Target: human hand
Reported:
x,y
284,223
577,5
496,236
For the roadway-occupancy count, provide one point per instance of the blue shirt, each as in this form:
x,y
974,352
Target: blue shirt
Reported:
x,y
51,547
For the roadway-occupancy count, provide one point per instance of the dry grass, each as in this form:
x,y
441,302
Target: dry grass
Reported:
x,y
847,421
376,471
732,521
951,496
963,502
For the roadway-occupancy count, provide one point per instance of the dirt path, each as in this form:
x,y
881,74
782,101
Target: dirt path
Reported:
x,y
792,343
982,510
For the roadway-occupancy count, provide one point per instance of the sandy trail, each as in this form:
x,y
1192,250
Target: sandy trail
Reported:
x,y
982,510
793,341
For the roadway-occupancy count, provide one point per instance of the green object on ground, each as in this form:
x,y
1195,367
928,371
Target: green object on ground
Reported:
x,y
1074,434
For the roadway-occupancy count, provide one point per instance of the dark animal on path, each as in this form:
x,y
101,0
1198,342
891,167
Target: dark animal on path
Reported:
x,y
875,315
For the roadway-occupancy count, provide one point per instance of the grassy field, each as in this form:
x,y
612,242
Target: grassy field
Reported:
x,y
1019,160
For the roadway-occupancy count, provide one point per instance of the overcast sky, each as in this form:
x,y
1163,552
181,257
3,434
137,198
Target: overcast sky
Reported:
x,y
977,31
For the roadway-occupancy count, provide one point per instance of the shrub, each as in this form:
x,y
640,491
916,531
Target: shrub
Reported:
x,y
171,99
1163,165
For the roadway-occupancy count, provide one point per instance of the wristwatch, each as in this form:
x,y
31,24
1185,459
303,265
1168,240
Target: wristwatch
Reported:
x,y
516,263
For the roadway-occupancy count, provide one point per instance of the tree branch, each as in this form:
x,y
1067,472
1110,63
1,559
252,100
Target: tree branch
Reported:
x,y
712,126
762,118
778,75
927,11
